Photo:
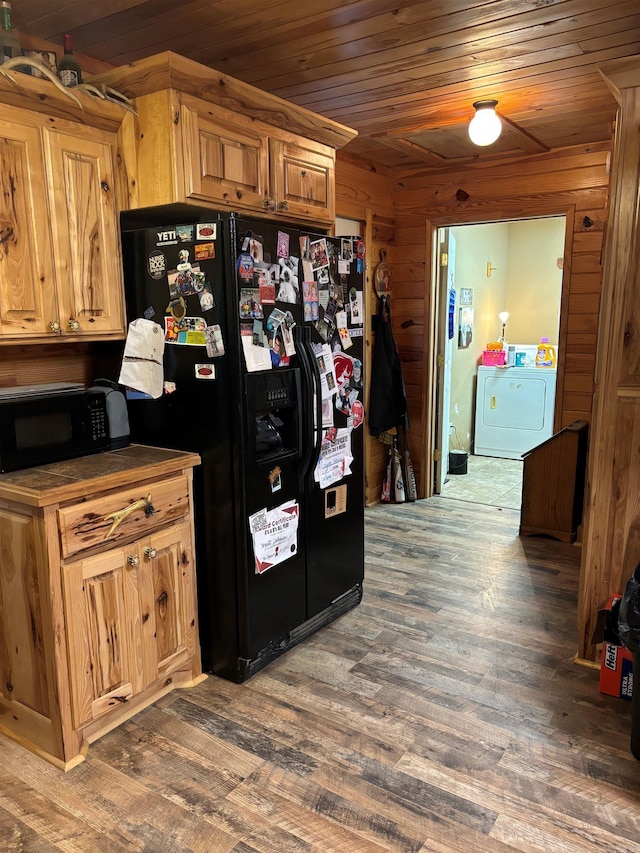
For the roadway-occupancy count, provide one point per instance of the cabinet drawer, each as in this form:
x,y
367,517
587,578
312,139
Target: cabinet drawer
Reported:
x,y
122,515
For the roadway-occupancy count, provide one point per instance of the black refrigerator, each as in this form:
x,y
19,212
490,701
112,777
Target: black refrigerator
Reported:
x,y
263,377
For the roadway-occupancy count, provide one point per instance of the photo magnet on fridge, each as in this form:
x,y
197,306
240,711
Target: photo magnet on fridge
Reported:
x,y
252,244
283,245
184,233
215,344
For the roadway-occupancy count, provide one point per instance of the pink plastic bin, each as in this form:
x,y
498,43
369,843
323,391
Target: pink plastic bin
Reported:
x,y
493,358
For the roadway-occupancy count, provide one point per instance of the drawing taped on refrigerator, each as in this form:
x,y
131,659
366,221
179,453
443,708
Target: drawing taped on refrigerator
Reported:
x,y
263,377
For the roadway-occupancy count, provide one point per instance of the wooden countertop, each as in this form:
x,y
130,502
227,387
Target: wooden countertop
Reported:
x,y
76,478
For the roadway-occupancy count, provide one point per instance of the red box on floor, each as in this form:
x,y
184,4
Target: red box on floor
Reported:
x,y
616,665
616,671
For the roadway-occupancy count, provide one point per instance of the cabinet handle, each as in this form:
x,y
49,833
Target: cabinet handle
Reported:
x,y
493,401
269,204
74,325
150,553
117,517
284,205
54,326
133,560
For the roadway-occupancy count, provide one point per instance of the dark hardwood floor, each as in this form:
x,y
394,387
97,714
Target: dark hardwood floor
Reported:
x,y
444,714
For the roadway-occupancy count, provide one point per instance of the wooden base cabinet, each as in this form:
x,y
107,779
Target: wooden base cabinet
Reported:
x,y
94,627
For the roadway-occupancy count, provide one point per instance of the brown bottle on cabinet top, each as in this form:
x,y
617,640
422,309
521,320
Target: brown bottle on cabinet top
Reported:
x,y
69,70
9,44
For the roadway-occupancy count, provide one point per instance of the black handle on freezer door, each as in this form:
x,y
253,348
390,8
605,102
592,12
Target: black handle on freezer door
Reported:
x,y
317,398
305,408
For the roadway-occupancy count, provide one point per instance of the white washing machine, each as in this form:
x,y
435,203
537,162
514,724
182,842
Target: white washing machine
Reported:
x,y
514,410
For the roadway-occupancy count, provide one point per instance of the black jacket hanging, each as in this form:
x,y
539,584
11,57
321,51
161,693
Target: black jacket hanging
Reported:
x,y
387,399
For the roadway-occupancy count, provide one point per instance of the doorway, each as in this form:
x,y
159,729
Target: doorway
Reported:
x,y
499,281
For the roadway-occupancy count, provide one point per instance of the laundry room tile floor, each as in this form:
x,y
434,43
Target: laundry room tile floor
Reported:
x,y
489,480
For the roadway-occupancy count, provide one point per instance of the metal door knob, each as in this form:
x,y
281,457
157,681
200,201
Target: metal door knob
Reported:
x,y
54,326
284,205
150,553
74,325
133,560
269,204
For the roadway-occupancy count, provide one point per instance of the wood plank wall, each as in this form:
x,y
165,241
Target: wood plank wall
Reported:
x,y
572,181
55,362
611,542
365,193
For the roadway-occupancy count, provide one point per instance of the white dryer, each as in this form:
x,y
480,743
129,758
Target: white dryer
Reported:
x,y
514,410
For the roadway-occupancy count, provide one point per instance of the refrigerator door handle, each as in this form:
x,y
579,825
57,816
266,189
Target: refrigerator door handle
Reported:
x,y
313,394
305,410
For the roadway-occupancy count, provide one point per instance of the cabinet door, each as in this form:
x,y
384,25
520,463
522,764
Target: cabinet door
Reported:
x,y
303,179
166,579
101,604
27,279
86,235
223,163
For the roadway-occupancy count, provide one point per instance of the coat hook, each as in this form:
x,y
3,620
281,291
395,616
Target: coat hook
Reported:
x,y
490,269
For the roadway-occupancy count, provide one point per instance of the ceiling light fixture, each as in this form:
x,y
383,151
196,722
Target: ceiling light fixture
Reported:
x,y
485,126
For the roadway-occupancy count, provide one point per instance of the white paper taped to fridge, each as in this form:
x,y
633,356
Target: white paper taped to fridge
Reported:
x,y
274,534
335,458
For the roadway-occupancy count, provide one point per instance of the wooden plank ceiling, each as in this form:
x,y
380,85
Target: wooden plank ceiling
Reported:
x,y
403,73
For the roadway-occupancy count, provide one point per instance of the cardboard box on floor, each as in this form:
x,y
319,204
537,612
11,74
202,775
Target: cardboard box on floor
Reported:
x,y
616,663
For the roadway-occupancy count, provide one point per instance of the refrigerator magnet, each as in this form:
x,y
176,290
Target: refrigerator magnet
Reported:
x,y
275,479
288,286
244,266
335,501
346,249
207,302
204,251
252,244
205,231
184,233
205,371
157,265
215,344
357,414
283,245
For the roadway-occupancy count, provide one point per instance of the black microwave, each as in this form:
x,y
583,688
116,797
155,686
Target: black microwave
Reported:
x,y
46,423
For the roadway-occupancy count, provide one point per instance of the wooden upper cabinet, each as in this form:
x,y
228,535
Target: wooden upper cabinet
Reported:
x,y
27,283
223,163
60,259
251,168
303,179
205,138
86,235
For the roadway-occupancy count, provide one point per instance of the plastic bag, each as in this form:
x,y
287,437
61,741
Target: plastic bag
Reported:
x,y
629,615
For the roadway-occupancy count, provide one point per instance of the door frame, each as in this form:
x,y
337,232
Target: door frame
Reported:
x,y
535,210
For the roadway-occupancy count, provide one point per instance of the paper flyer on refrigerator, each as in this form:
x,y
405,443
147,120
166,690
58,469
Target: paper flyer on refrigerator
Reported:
x,y
274,533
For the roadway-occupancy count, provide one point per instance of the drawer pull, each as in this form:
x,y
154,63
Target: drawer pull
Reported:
x,y
117,517
133,560
150,553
